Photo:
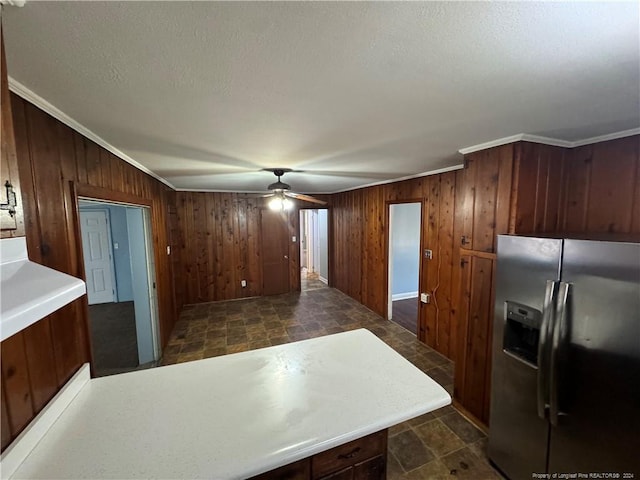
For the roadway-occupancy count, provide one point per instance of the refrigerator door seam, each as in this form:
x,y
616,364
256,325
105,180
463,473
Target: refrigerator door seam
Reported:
x,y
558,334
543,363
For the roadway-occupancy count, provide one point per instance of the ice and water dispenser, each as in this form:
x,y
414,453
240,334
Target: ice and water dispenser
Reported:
x,y
522,332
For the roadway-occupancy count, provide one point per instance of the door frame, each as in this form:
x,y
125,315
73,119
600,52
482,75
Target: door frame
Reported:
x,y
81,191
112,266
311,230
421,333
329,242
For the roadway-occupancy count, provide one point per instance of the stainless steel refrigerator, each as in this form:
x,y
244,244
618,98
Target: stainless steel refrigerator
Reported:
x,y
565,383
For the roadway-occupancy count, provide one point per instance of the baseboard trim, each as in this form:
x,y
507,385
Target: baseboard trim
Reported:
x,y
471,417
404,296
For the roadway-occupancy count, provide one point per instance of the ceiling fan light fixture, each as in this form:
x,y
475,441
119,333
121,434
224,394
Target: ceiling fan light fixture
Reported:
x,y
280,203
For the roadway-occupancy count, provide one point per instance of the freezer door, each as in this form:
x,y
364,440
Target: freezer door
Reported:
x,y
598,361
517,435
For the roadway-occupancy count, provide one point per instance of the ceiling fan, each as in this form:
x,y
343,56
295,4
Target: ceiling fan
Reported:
x,y
281,192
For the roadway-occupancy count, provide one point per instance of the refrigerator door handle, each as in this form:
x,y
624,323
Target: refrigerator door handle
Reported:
x,y
546,330
559,330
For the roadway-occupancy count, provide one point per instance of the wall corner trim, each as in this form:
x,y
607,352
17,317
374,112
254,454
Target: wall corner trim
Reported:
x,y
555,142
32,97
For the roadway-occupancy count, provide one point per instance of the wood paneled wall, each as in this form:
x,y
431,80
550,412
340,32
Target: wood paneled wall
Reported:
x,y
54,161
220,245
437,318
359,240
601,188
466,208
589,189
538,181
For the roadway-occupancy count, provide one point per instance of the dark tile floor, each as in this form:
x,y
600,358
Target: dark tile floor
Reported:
x,y
310,281
439,445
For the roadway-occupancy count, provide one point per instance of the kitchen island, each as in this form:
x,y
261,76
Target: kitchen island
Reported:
x,y
228,417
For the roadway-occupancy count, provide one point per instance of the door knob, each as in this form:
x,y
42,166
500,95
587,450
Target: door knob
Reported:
x,y
286,256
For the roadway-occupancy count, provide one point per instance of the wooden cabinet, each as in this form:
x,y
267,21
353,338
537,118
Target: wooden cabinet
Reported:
x,y
485,203
11,223
371,469
361,459
473,368
356,456
300,470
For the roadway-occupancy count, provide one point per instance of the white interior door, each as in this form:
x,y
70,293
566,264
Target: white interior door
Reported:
x,y
97,256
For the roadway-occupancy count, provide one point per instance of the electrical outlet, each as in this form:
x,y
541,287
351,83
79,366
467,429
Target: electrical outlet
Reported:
x,y
293,239
243,283
428,254
168,249
425,297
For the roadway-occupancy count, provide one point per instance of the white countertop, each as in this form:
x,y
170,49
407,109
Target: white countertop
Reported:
x,y
234,416
30,291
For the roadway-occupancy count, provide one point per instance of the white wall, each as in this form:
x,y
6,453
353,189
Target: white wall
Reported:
x,y
323,240
303,239
405,249
142,306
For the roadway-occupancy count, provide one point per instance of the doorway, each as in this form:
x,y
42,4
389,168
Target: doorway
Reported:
x,y
314,249
404,264
120,271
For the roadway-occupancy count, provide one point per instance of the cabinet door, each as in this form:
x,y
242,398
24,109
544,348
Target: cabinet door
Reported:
x,y
486,197
300,470
7,220
373,469
476,312
349,454
345,474
10,220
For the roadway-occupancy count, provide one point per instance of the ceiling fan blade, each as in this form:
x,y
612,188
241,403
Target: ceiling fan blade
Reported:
x,y
305,198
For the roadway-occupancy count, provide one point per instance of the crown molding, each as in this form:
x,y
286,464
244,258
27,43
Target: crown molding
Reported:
x,y
555,142
213,190
32,97
401,179
607,137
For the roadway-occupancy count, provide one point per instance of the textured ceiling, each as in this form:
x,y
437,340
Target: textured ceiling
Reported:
x,y
205,94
